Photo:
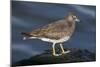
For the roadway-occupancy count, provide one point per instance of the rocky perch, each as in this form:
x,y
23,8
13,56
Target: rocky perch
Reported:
x,y
76,55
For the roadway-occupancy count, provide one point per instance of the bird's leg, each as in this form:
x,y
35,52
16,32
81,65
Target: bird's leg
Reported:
x,y
54,52
64,52
53,46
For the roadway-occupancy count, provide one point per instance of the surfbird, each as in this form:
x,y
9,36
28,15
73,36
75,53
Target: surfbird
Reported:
x,y
56,32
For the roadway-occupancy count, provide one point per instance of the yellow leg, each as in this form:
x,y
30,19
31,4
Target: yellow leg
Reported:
x,y
53,46
62,48
64,52
54,52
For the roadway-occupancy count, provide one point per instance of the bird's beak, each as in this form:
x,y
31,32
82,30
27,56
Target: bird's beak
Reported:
x,y
77,20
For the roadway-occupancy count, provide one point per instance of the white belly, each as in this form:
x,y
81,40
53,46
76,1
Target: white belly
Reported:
x,y
52,40
55,41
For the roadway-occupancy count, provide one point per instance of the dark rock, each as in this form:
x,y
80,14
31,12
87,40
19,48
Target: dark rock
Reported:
x,y
76,55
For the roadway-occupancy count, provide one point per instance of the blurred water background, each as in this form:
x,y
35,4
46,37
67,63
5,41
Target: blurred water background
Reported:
x,y
26,16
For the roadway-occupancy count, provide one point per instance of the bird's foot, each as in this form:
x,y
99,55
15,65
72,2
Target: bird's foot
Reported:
x,y
65,52
57,54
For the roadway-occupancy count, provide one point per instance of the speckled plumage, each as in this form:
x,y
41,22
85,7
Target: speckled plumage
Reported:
x,y
56,32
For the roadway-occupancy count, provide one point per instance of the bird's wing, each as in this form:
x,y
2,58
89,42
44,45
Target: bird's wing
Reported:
x,y
53,30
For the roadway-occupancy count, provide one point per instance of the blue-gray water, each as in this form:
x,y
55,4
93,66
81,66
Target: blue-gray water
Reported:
x,y
27,16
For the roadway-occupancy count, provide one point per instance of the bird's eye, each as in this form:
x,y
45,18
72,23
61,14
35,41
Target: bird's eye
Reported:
x,y
74,17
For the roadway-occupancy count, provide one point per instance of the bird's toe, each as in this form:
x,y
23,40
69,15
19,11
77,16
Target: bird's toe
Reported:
x,y
57,54
68,51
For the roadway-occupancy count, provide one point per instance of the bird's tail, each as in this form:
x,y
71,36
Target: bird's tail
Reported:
x,y
26,34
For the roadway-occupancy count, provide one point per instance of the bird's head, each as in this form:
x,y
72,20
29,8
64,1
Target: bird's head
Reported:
x,y
71,17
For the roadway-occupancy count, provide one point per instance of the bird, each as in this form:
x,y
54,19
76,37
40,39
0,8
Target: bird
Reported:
x,y
56,32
